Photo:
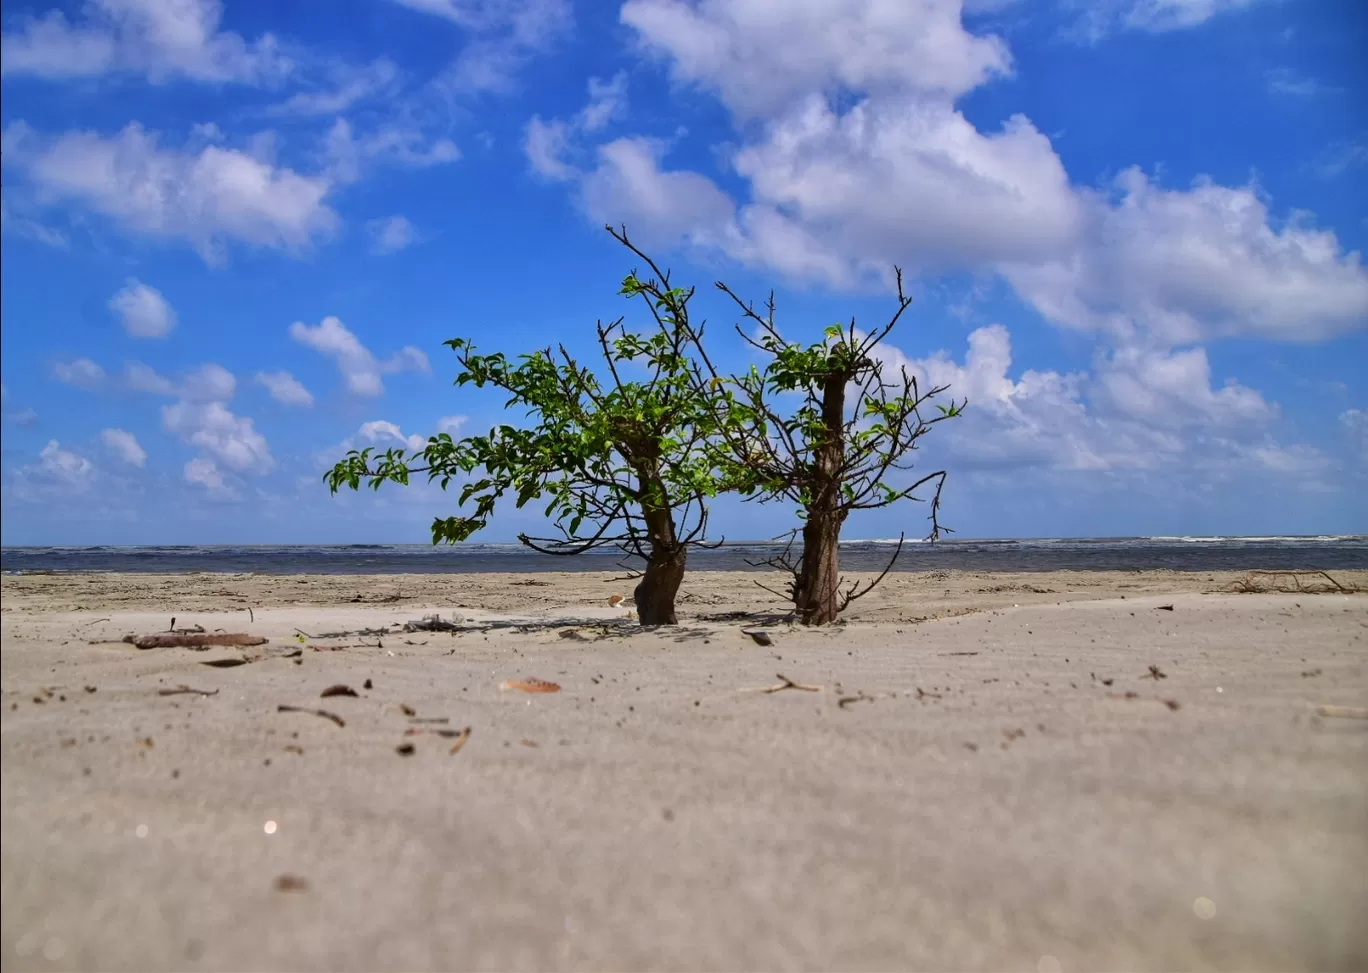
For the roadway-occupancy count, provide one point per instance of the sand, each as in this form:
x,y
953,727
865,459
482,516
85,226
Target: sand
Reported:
x,y
990,777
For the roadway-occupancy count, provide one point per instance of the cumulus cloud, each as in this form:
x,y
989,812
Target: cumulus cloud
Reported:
x,y
380,432
285,388
203,472
159,39
1132,411
143,311
125,446
547,144
451,425
760,58
855,157
83,373
1198,264
629,186
225,437
347,156
64,467
144,378
391,234
208,196
360,369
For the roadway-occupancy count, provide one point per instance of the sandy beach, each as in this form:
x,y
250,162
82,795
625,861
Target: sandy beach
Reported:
x,y
1075,771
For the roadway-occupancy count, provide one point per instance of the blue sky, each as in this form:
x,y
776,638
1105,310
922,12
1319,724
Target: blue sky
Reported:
x,y
235,235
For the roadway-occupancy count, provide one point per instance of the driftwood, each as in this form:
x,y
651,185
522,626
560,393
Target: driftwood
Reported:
x,y
169,640
1256,582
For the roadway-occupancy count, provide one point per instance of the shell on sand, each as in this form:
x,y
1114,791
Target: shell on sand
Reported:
x,y
614,600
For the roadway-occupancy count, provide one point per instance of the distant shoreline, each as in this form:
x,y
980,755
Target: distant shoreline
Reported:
x,y
1026,555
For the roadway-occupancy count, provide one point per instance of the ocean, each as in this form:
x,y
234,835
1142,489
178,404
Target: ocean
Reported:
x,y
1025,554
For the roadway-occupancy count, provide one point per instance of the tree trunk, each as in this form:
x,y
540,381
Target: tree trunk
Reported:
x,y
655,595
817,592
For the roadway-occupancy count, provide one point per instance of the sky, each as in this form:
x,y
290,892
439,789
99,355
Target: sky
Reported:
x,y
235,235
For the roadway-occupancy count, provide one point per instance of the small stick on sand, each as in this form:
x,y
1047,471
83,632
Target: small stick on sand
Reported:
x,y
1344,712
178,690
170,640
461,741
282,708
786,684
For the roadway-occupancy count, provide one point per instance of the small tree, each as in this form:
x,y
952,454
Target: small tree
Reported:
x,y
831,455
621,461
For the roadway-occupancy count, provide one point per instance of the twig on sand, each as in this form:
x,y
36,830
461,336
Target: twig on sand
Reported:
x,y
283,708
187,690
169,640
786,683
461,741
860,697
1344,712
434,623
343,635
1252,582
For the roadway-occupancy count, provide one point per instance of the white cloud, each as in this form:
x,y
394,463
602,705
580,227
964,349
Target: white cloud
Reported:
x,y
856,158
203,472
14,225
144,378
208,383
349,86
390,235
208,196
451,425
143,310
1340,158
607,101
285,388
383,433
160,39
346,156
64,467
1173,389
125,446
761,57
1098,18
83,373
359,367
1285,81
1193,265
628,186
546,144
911,180
227,438
1134,411
503,36
24,417
1354,422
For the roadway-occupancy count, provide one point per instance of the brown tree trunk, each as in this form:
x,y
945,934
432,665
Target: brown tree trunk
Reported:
x,y
655,595
817,592
818,595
